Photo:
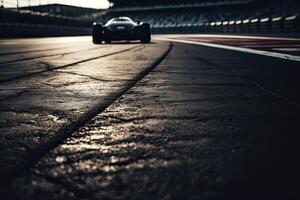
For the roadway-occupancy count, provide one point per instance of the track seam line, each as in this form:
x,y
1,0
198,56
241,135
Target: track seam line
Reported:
x,y
30,51
66,131
36,50
46,56
274,94
65,66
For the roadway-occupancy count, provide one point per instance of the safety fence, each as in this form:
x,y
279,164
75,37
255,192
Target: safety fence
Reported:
x,y
276,25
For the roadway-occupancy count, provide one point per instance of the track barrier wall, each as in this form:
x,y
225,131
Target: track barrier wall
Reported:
x,y
15,23
276,25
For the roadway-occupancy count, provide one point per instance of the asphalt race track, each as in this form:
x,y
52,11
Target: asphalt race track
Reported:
x,y
166,120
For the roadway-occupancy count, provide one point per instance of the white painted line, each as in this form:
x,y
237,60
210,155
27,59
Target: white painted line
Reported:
x,y
287,49
229,36
253,51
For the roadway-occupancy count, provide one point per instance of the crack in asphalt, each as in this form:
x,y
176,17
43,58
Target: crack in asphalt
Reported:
x,y
48,66
87,76
65,66
161,117
45,56
32,51
39,50
92,77
64,84
69,128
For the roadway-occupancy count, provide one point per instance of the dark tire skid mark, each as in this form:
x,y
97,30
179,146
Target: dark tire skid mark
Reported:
x,y
48,69
66,131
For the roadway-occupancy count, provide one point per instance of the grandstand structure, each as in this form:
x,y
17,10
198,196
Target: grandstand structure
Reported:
x,y
44,20
60,9
173,14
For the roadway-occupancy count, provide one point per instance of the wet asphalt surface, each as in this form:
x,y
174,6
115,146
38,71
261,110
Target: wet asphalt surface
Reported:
x,y
154,121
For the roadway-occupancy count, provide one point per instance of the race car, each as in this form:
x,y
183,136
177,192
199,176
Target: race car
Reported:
x,y
121,28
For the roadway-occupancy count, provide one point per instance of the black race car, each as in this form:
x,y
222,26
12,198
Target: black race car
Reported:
x,y
121,28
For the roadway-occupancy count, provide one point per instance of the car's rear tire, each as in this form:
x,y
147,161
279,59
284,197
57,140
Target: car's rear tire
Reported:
x,y
97,34
145,33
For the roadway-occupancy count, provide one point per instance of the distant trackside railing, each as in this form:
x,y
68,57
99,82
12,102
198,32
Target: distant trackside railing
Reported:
x,y
275,25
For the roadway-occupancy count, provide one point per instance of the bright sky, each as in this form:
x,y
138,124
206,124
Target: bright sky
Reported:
x,y
83,3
